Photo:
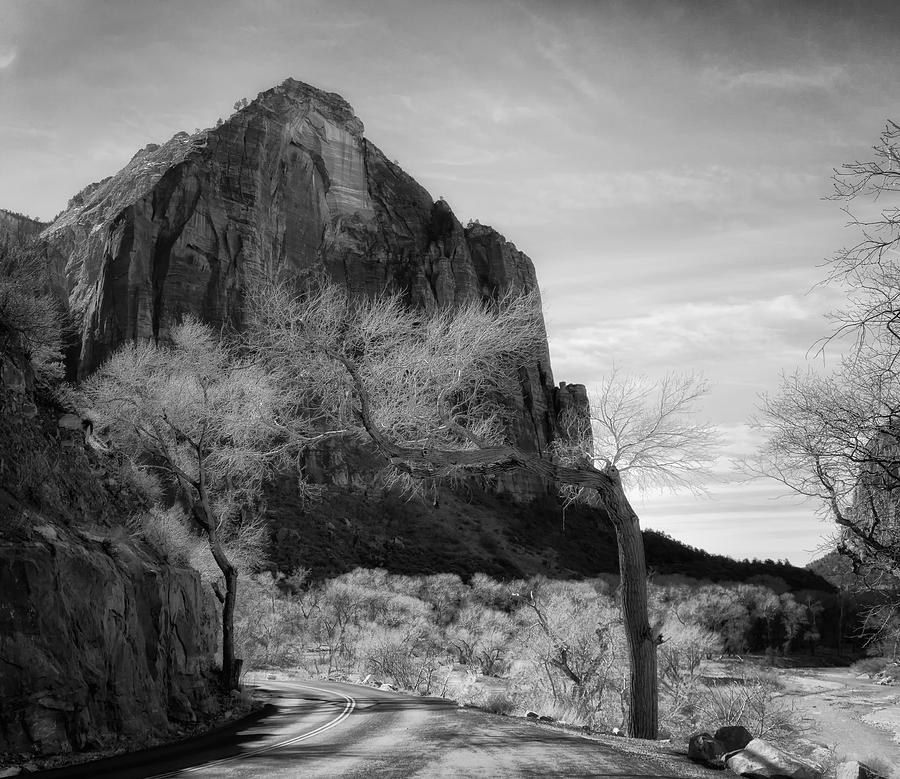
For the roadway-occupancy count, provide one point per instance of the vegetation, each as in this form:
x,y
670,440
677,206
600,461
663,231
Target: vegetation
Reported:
x,y
428,392
202,418
555,648
835,437
31,322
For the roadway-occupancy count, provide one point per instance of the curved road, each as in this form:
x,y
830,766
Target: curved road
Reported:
x,y
329,729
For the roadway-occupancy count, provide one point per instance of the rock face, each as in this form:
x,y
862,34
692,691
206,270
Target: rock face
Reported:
x,y
99,637
287,187
97,643
18,229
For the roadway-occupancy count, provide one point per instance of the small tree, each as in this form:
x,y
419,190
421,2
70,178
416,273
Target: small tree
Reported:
x,y
205,420
429,392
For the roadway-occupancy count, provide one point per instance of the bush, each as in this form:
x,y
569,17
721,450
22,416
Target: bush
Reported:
x,y
871,665
167,532
754,702
497,703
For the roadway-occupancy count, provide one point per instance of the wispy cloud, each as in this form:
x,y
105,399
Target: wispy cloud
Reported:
x,y
822,77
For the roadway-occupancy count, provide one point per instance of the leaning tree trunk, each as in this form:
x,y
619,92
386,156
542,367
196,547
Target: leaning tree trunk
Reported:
x,y
643,697
643,691
231,667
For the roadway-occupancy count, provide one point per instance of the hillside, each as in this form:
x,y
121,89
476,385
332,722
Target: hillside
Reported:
x,y
480,531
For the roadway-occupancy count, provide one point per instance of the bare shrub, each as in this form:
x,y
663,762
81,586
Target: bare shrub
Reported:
x,y
142,480
167,532
681,659
497,702
870,665
754,702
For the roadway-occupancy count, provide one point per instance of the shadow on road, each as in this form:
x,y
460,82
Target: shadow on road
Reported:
x,y
268,725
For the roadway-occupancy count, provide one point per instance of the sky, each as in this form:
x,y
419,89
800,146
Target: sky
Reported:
x,y
664,164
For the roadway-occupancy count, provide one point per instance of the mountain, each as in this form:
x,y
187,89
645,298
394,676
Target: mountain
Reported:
x,y
289,188
286,188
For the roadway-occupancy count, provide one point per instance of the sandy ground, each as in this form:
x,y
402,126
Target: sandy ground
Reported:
x,y
848,714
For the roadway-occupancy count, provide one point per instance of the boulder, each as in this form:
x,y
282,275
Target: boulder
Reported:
x,y
733,737
759,759
704,749
853,769
532,714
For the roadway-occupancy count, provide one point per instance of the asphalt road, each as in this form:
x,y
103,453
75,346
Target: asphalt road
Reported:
x,y
328,729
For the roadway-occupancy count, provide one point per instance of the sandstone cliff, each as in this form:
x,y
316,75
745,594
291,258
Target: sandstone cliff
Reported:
x,y
287,187
100,639
17,228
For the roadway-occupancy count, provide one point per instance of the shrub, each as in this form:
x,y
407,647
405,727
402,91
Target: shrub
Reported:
x,y
497,703
870,665
166,530
754,702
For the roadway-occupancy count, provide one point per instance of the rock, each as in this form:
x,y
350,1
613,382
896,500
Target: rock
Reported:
x,y
97,647
703,748
288,187
733,737
48,532
18,230
532,714
853,769
760,759
546,718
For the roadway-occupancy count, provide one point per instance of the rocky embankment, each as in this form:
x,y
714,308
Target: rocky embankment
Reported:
x,y
100,640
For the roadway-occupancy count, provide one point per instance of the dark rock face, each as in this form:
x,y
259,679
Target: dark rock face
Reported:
x,y
99,638
97,643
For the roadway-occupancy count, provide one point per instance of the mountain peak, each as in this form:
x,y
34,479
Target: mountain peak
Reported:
x,y
292,96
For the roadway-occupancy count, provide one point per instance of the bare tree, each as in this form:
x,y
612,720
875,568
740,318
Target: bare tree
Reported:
x,y
208,422
835,437
30,318
429,393
644,434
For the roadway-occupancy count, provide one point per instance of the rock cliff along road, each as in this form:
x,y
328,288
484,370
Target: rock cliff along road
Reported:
x,y
330,729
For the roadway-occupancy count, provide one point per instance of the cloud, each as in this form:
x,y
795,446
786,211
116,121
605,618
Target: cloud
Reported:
x,y
7,56
700,333
823,77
